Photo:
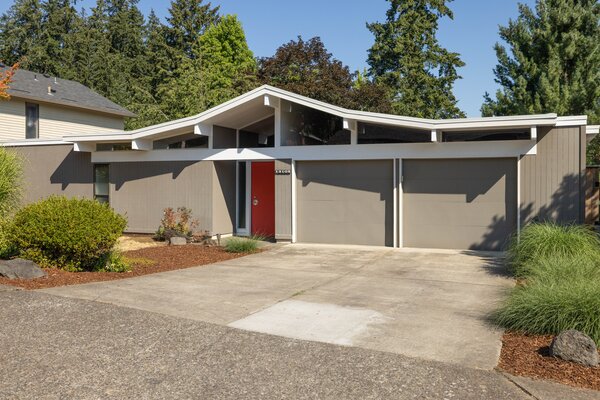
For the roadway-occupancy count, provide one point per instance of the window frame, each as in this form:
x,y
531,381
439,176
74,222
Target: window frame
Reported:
x,y
102,198
36,123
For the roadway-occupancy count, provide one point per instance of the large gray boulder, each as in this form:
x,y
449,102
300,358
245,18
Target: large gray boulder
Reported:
x,y
20,269
575,346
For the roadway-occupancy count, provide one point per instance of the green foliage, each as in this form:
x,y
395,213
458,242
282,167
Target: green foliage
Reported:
x,y
11,176
408,59
559,267
71,234
241,245
178,222
551,63
542,241
550,308
113,261
7,248
307,68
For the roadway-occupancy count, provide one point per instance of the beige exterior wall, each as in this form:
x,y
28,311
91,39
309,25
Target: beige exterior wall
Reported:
x,y
551,180
283,201
55,170
223,197
143,190
55,121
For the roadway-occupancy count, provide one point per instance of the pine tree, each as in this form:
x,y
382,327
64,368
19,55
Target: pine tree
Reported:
x,y
552,62
408,59
20,32
187,20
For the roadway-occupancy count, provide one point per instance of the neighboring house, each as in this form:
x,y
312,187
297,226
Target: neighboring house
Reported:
x,y
47,108
274,163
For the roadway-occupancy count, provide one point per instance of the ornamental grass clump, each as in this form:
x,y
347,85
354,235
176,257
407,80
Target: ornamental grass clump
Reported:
x,y
241,245
540,241
70,234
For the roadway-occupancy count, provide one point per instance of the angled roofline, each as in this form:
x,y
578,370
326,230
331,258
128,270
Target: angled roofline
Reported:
x,y
520,121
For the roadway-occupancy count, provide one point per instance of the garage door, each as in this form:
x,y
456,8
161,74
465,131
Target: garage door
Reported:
x,y
345,202
459,204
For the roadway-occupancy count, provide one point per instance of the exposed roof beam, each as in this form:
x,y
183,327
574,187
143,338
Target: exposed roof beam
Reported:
x,y
141,144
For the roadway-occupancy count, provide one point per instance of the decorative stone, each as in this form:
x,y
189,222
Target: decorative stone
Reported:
x,y
20,269
575,346
178,241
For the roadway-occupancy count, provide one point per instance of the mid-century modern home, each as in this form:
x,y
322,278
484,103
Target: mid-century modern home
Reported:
x,y
278,164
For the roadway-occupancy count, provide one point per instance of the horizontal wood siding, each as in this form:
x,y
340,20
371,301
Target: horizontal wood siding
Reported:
x,y
55,121
55,170
142,190
551,179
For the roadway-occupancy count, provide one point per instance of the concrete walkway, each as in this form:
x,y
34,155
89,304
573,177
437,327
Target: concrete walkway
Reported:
x,y
431,305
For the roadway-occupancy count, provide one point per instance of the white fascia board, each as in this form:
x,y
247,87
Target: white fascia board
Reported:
x,y
84,147
32,142
496,149
592,129
572,120
533,133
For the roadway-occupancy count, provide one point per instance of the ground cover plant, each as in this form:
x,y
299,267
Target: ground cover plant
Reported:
x,y
559,281
70,234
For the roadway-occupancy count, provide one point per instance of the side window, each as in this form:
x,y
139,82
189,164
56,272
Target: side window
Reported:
x,y
32,121
101,185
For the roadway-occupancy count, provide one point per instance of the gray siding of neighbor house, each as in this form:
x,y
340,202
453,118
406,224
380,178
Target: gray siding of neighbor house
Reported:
x,y
283,201
345,202
55,170
551,180
459,203
223,197
142,190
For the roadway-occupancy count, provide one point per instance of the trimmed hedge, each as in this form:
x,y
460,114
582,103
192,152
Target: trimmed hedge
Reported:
x,y
71,234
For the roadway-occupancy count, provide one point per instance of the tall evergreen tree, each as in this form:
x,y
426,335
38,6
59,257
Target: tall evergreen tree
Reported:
x,y
187,20
408,59
552,63
20,32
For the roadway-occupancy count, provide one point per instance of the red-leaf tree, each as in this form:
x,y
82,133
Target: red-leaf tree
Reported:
x,y
6,76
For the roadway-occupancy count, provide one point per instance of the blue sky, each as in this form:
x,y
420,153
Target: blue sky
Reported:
x,y
341,25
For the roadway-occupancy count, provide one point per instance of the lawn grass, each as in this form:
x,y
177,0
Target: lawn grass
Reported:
x,y
559,287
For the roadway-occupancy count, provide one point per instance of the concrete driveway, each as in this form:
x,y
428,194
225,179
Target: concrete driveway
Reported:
x,y
431,305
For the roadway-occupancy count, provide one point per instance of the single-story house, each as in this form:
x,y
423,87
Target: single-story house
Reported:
x,y
278,164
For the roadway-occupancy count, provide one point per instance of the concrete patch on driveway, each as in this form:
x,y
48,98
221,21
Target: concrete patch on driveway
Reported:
x,y
433,305
327,323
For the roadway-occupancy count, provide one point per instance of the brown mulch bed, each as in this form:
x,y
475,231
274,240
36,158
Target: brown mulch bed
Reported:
x,y
145,261
529,355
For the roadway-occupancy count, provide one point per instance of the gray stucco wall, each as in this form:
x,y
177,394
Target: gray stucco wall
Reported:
x,y
55,170
223,138
223,209
551,180
142,190
283,201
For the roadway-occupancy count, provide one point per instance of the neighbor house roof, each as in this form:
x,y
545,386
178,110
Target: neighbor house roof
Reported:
x,y
28,85
249,107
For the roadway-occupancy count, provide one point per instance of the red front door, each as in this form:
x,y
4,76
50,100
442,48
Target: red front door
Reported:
x,y
263,198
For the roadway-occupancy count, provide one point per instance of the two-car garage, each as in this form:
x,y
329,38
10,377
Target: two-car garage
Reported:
x,y
441,203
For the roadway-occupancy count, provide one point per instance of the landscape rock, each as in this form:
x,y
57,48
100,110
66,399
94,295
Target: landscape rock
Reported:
x,y
575,346
20,269
178,241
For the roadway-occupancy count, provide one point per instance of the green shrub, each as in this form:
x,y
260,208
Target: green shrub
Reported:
x,y
543,307
113,261
72,234
540,241
11,178
241,245
7,248
560,268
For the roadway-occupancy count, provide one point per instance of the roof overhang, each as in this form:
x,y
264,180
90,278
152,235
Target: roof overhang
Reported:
x,y
260,103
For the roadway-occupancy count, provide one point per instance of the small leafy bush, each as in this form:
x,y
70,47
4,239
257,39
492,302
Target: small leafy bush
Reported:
x,y
552,307
11,180
71,234
241,245
540,241
113,261
7,248
176,223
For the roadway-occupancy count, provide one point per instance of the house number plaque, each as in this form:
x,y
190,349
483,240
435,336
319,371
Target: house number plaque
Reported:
x,y
283,172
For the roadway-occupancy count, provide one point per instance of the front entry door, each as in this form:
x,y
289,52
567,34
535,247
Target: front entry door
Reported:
x,y
263,198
